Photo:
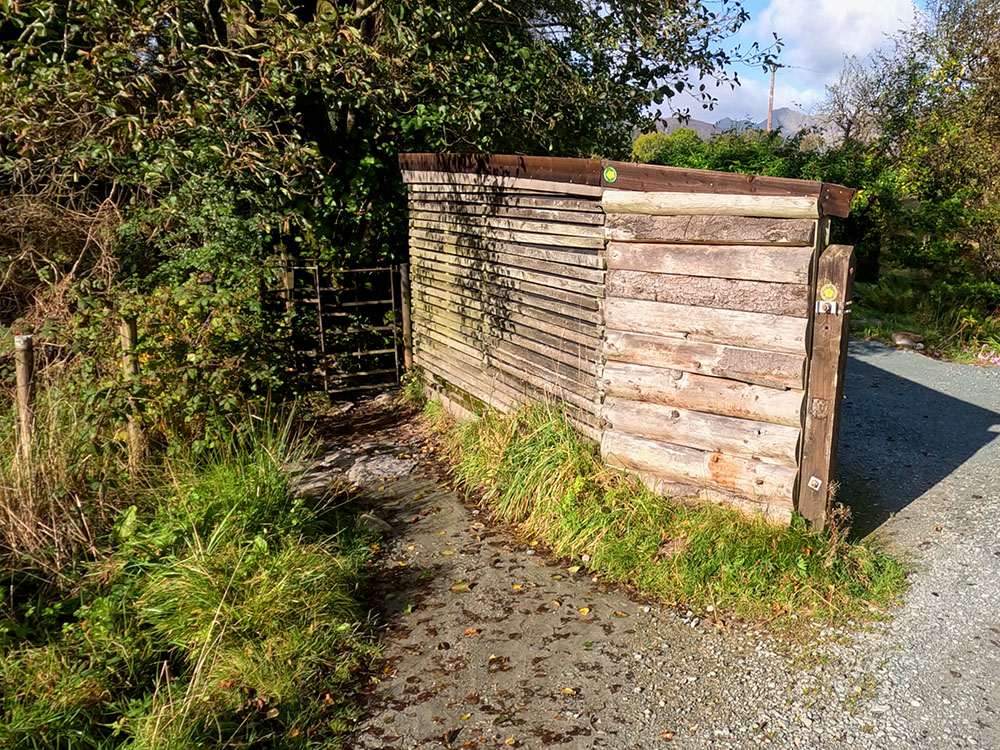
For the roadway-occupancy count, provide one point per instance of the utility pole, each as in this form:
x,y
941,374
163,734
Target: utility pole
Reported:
x,y
770,97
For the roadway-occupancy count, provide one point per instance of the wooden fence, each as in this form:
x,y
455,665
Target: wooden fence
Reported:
x,y
692,322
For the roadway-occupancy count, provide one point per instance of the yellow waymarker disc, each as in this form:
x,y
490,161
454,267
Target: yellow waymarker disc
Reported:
x,y
828,293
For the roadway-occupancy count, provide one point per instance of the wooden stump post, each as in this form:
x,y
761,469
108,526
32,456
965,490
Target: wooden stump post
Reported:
x,y
825,389
24,368
130,366
404,303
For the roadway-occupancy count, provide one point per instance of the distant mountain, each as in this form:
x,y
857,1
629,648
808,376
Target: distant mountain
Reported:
x,y
784,119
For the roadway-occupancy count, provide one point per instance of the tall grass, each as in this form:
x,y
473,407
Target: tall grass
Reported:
x,y
223,612
535,471
53,507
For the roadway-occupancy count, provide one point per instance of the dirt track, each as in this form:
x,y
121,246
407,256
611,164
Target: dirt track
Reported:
x,y
493,644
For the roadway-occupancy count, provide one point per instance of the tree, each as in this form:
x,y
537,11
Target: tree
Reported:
x,y
147,145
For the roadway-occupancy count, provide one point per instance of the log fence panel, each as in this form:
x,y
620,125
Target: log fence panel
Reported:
x,y
672,313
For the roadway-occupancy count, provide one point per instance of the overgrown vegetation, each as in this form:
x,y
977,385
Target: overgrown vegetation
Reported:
x,y
536,472
219,610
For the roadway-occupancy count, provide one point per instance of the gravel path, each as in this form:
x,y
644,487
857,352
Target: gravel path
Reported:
x,y
492,643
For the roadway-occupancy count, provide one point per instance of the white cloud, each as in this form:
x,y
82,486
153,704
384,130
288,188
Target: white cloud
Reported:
x,y
817,36
819,33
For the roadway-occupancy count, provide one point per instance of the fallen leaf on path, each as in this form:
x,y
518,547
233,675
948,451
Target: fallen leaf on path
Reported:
x,y
574,569
465,717
584,610
568,691
471,631
556,603
517,587
447,552
461,587
619,613
509,741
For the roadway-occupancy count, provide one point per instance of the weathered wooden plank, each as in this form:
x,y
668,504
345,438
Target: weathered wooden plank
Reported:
x,y
722,230
509,379
486,259
500,298
749,263
772,369
688,390
499,328
703,291
556,168
825,390
771,443
502,210
779,333
572,329
574,257
498,284
489,233
776,514
469,223
483,196
709,204
492,181
479,341
497,317
759,481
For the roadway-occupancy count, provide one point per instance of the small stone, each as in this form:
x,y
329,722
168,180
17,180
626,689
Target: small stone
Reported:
x,y
371,521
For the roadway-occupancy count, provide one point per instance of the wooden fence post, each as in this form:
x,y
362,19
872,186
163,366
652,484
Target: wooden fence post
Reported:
x,y
288,281
130,366
24,368
404,289
825,389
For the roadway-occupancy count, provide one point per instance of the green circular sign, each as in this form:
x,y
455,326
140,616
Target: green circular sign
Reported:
x,y
610,174
828,292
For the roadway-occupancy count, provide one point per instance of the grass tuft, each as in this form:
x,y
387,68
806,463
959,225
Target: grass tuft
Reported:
x,y
224,612
535,471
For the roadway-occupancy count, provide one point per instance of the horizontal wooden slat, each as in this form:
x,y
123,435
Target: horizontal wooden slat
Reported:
x,y
567,339
706,431
485,344
779,333
709,204
491,181
497,297
469,223
722,230
490,330
501,284
502,210
773,369
779,265
459,243
492,197
702,291
571,329
688,390
486,259
570,351
504,382
508,235
761,482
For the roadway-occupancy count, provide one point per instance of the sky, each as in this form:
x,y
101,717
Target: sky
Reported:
x,y
817,35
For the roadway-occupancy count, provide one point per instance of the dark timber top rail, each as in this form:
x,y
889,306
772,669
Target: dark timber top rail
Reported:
x,y
834,200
